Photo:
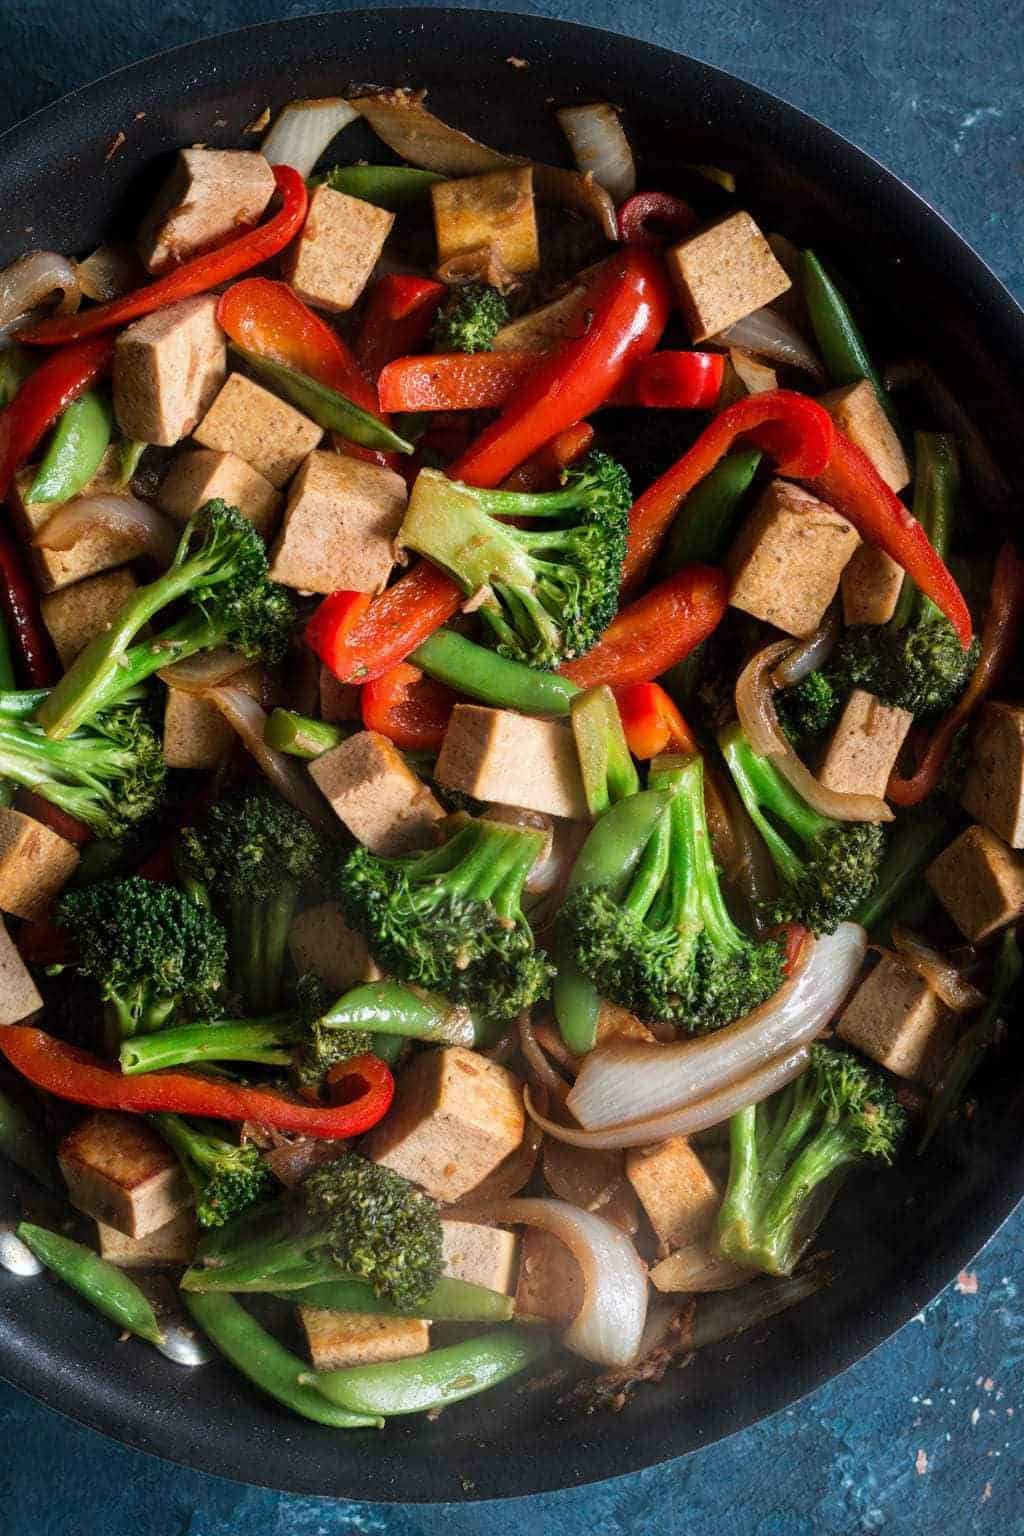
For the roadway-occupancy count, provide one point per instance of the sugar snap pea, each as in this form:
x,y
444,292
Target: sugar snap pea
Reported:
x,y
78,443
839,341
493,679
705,522
300,735
395,187
103,1285
451,1301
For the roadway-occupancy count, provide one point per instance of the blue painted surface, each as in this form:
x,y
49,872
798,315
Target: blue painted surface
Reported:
x,y
927,1434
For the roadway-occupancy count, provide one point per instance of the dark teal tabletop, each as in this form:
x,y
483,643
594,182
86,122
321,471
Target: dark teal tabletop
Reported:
x,y
927,1435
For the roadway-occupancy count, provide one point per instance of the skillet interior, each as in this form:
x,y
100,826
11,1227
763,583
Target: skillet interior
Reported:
x,y
899,1236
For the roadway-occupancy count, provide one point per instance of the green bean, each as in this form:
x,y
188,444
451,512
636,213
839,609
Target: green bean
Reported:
x,y
266,1363
493,679
704,524
936,500
326,407
300,735
388,1008
606,767
840,343
421,1383
103,1285
395,187
129,452
451,1301
24,1143
77,445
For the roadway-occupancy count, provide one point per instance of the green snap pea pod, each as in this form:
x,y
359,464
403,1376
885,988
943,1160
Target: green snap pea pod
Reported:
x,y
704,524
130,451
23,1142
936,500
78,443
606,767
325,406
396,187
389,1008
493,679
267,1364
451,1301
839,341
103,1285
424,1382
300,735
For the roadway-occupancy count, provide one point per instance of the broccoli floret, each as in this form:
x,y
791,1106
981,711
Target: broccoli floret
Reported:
x,y
666,948
469,319
153,952
227,1176
809,707
920,666
549,592
251,858
827,868
451,919
788,1156
220,569
377,1227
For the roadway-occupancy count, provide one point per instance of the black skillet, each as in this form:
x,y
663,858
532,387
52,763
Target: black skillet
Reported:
x,y
898,1237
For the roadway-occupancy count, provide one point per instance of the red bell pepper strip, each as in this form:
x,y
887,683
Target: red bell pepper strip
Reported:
x,y
199,275
328,631
36,659
674,381
454,381
70,1073
627,307
408,708
651,721
1000,639
795,430
543,470
850,483
396,320
40,809
654,218
43,396
656,631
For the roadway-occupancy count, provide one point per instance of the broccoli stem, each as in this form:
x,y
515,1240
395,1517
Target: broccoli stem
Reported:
x,y
778,1245
762,787
268,980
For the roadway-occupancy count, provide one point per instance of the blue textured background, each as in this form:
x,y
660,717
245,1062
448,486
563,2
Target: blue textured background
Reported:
x,y
927,1434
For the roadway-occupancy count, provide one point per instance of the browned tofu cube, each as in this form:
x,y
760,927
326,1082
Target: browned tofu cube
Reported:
x,y
376,794
491,212
339,702
895,1018
871,583
54,569
119,1171
613,1020
35,864
496,754
167,369
722,274
980,882
341,241
76,614
456,1115
247,420
339,526
550,1287
744,375
482,1255
322,942
202,474
196,734
169,1247
994,787
542,329
678,1194
864,746
19,995
340,1339
856,411
786,563
209,196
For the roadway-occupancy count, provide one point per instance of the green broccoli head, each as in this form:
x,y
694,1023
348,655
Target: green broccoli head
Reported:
x,y
227,1177
469,319
377,1227
920,667
809,707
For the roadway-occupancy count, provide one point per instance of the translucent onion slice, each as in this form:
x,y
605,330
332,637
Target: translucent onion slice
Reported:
x,y
34,280
697,1267
538,1062
944,978
198,674
111,270
302,131
767,334
600,147
124,516
810,653
286,774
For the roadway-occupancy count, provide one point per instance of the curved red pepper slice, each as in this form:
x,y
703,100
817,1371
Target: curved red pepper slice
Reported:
x,y
654,218
674,381
408,708
43,396
651,721
36,658
454,381
656,631
399,312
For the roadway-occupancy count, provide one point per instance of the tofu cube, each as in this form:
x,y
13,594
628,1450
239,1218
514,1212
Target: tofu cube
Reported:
x,y
896,1019
490,212
856,411
196,734
482,1255
862,750
322,942
339,702
119,1171
613,1020
980,882
375,793
76,614
994,787
35,864
550,1287
871,584
340,1339
722,274
677,1193
339,526
512,759
744,375
268,433
455,1117
167,368
209,196
19,995
203,474
341,241
54,569
786,563
169,1247
540,330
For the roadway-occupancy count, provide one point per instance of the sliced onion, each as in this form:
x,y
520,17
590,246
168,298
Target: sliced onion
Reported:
x,y
600,147
302,131
580,194
626,1080
609,1326
483,264
290,1161
198,674
111,270
123,516
34,280
696,1267
538,1063
724,1315
945,980
286,774
810,653
767,334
